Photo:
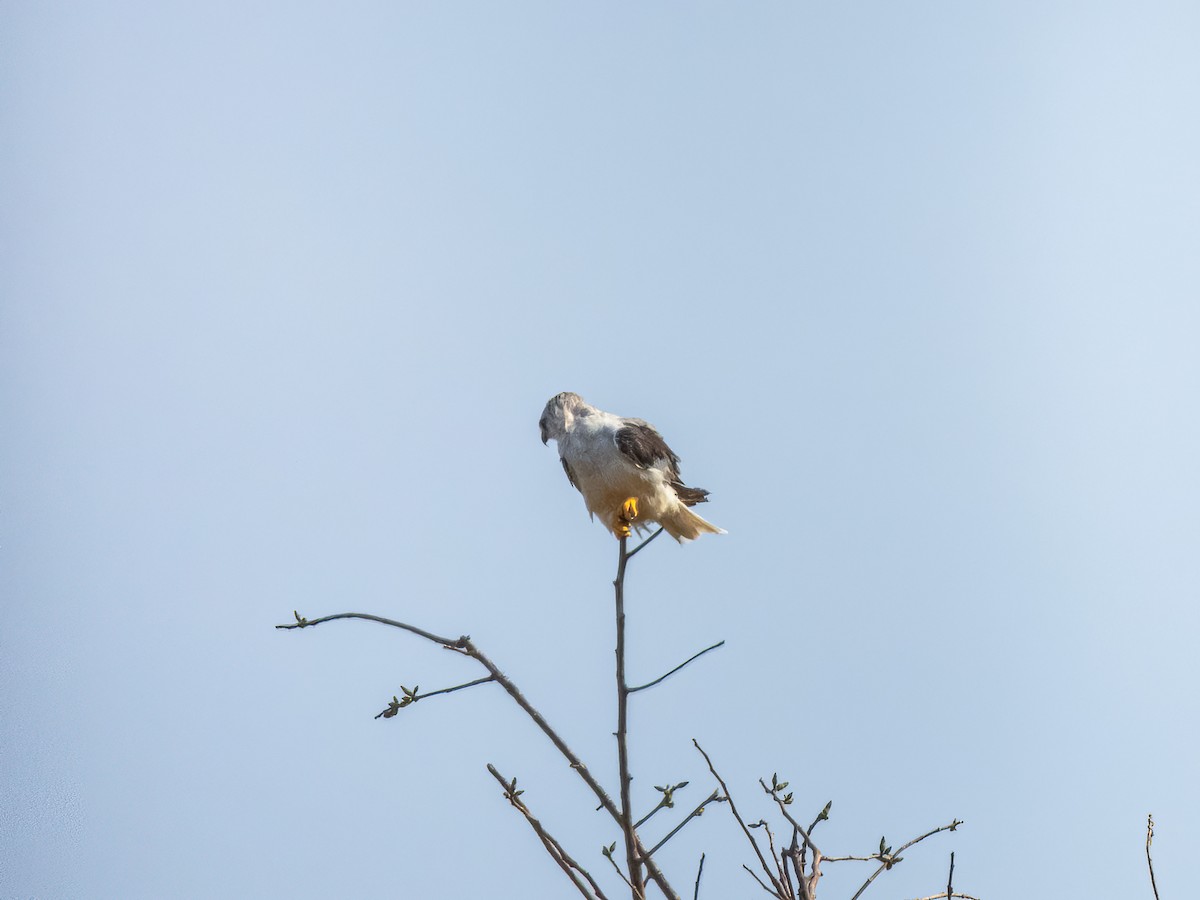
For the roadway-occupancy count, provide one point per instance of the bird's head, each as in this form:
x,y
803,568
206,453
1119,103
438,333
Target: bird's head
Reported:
x,y
559,415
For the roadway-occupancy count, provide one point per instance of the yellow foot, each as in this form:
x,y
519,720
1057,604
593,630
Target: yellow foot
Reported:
x,y
629,509
629,512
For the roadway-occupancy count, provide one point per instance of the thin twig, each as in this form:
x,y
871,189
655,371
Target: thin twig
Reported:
x,y
874,858
808,884
302,622
699,872
714,797
412,697
638,549
775,857
733,809
950,877
760,881
661,678
608,855
886,862
553,847
1149,861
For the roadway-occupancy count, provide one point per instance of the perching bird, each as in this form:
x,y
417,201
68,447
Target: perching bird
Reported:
x,y
624,469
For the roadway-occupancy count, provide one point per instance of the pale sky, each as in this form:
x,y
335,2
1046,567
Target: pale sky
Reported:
x,y
912,289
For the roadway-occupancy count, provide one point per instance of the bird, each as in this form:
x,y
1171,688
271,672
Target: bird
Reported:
x,y
627,474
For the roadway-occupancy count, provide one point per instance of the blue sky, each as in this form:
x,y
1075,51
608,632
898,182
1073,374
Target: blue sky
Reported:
x,y
911,288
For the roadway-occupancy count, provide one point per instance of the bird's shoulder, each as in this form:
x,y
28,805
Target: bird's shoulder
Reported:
x,y
644,446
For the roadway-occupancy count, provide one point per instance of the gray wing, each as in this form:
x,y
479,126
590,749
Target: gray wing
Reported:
x,y
645,448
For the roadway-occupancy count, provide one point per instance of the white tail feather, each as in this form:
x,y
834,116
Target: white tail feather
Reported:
x,y
685,525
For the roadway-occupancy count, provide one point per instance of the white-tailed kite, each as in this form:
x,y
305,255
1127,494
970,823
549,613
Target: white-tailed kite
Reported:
x,y
624,469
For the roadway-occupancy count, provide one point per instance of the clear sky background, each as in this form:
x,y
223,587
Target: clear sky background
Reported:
x,y
911,287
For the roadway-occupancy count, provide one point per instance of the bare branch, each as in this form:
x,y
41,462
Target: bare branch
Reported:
x,y
733,809
1149,861
661,678
465,646
553,847
699,872
632,860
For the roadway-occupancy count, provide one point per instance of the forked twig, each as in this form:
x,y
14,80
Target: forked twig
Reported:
x,y
891,858
553,847
808,883
733,809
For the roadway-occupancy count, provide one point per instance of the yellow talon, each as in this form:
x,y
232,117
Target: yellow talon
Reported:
x,y
629,510
628,513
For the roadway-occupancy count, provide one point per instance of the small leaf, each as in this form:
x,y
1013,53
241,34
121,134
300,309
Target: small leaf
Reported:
x,y
787,801
882,846
825,812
